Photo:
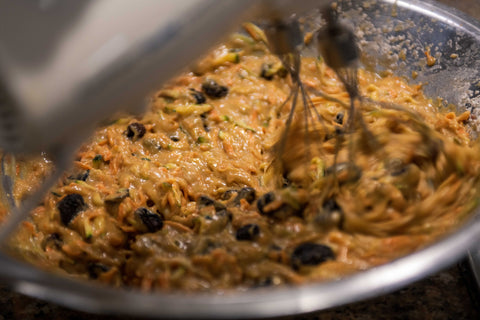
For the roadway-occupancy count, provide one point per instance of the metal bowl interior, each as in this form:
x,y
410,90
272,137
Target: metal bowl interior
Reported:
x,y
394,34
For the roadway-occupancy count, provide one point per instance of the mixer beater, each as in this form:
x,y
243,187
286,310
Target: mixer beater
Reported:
x,y
358,142
337,45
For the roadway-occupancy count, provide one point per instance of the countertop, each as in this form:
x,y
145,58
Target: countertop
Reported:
x,y
450,294
445,295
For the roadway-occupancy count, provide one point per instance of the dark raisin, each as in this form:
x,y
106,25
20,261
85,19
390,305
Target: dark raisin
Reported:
x,y
280,211
70,206
248,232
339,131
219,206
136,130
150,203
228,194
152,221
118,196
213,89
82,176
311,254
212,223
53,240
205,201
198,96
331,205
264,200
246,193
96,269
339,118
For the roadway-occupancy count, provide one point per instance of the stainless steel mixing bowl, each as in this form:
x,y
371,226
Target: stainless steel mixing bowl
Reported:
x,y
395,34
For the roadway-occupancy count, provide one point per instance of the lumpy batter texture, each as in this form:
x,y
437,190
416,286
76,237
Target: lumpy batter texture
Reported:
x,y
195,196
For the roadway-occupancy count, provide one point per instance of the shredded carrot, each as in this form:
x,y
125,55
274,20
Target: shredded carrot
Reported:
x,y
450,115
228,148
83,165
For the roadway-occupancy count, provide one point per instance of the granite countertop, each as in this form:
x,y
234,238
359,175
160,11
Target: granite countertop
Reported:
x,y
446,295
450,294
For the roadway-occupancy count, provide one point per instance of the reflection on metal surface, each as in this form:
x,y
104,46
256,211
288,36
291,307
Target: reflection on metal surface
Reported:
x,y
474,261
